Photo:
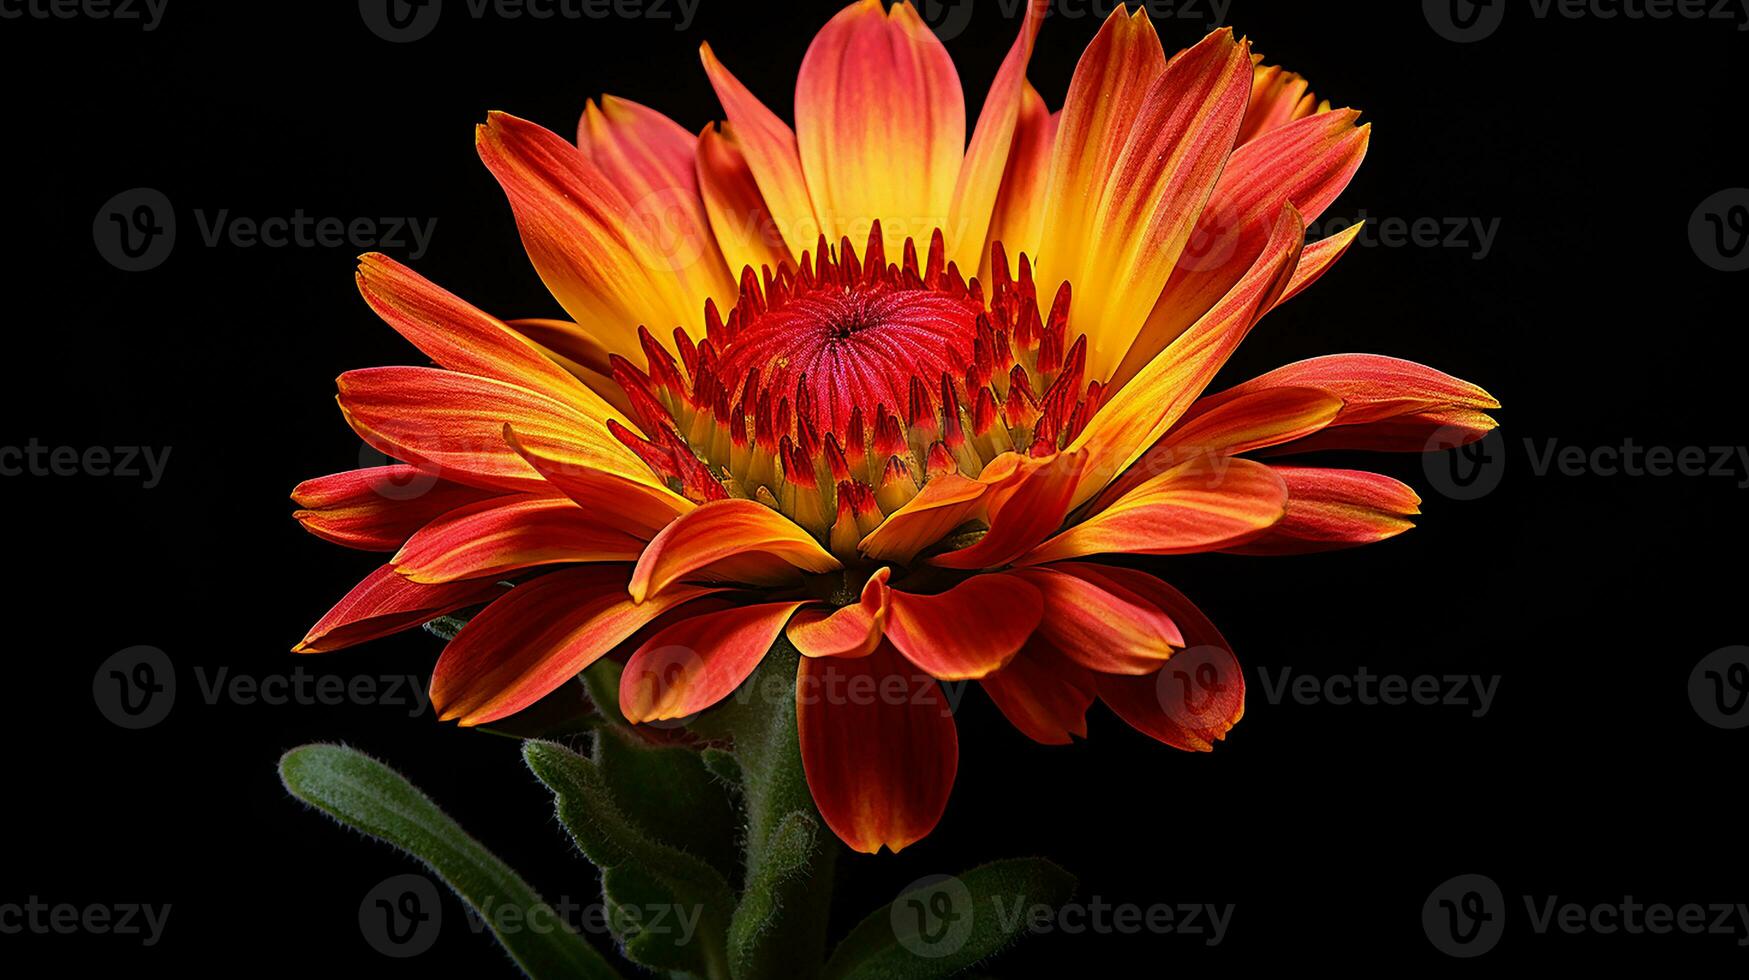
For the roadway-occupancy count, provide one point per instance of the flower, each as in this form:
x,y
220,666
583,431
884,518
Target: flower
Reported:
x,y
946,380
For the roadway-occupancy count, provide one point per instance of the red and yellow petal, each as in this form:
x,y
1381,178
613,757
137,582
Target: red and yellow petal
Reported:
x,y
850,631
1278,97
506,534
967,632
379,507
1104,618
1043,693
1192,701
1018,218
1027,499
733,540
994,139
1329,509
880,767
769,146
944,503
698,661
881,126
744,226
537,637
385,603
576,470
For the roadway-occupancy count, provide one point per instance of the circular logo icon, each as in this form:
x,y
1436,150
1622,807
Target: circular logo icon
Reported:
x,y
401,916
135,230
1464,470
1464,21
662,671
417,483
1719,230
1214,239
1465,916
135,688
947,18
1201,688
1718,687
932,917
400,21
674,229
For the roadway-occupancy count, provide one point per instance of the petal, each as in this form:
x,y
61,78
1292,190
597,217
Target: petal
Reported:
x,y
770,149
576,471
944,503
1316,259
457,336
733,540
1026,502
505,534
583,237
579,353
849,631
981,175
540,635
968,631
1278,97
1018,221
1182,135
744,227
1105,618
1043,693
881,125
1329,509
697,662
387,603
378,508
1307,163
1191,702
1139,413
1200,505
1431,431
651,160
879,747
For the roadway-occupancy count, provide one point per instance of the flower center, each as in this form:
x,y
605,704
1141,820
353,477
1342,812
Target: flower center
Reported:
x,y
835,390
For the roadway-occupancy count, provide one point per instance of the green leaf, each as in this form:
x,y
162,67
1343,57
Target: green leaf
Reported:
x,y
639,872
667,791
948,924
368,796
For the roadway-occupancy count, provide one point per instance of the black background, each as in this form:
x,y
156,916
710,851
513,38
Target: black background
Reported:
x,y
1590,597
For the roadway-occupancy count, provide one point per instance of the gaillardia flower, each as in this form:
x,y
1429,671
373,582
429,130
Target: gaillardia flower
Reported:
x,y
885,391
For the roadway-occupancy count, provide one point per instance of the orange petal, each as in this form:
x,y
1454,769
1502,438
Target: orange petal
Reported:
x,y
881,125
1018,219
770,148
849,631
386,603
1195,699
578,352
1139,413
1107,619
459,337
1278,97
506,534
944,503
698,661
538,636
1026,502
1201,505
733,540
968,631
1307,163
643,504
1043,693
1329,509
744,227
1316,259
880,766
1182,134
378,508
981,175
583,237
651,160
